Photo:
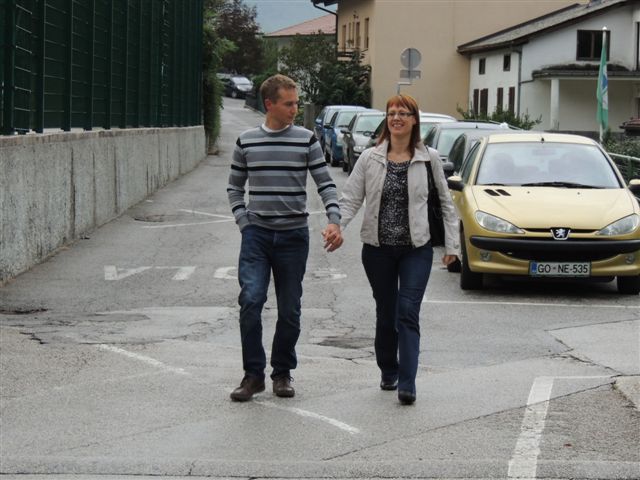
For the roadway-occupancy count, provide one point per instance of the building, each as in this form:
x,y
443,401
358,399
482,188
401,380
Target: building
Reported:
x,y
383,29
325,25
548,67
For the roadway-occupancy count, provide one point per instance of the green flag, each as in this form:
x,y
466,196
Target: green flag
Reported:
x,y
603,88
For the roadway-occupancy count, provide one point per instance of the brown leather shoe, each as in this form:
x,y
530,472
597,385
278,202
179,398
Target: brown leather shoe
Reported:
x,y
249,386
282,386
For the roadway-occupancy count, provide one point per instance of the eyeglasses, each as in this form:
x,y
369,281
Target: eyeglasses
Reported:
x,y
399,114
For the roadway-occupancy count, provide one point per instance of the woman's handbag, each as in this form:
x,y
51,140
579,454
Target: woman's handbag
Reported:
x,y
436,224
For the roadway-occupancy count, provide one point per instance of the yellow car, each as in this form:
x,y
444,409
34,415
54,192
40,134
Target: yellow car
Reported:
x,y
546,205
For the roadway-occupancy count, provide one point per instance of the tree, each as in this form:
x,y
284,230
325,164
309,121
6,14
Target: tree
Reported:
x,y
304,59
345,83
236,22
213,49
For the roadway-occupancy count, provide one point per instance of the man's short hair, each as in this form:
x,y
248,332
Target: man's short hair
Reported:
x,y
269,88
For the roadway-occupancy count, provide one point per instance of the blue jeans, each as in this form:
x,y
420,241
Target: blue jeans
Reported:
x,y
398,276
283,252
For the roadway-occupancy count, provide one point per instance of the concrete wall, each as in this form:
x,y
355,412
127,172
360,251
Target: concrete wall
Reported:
x,y
55,187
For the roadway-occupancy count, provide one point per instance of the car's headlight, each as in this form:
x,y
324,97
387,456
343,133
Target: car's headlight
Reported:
x,y
621,227
495,224
359,148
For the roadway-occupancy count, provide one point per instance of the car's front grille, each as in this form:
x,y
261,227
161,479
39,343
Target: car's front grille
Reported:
x,y
559,256
547,249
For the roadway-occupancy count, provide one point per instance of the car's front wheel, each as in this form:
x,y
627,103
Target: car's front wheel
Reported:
x,y
468,280
629,285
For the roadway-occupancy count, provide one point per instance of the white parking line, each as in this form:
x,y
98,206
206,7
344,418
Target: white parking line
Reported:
x,y
524,461
531,304
196,212
298,411
143,358
316,416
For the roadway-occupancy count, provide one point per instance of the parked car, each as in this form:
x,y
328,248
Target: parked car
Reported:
x,y
442,136
357,135
333,141
323,118
543,205
462,145
427,121
237,87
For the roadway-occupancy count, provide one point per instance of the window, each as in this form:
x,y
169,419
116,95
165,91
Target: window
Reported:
x,y
506,63
512,100
476,99
344,37
358,35
590,44
484,101
366,33
481,66
499,98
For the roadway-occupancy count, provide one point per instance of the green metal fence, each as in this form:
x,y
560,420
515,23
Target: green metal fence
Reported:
x,y
99,63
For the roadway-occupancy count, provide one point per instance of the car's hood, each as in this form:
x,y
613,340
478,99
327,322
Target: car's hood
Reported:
x,y
359,139
547,207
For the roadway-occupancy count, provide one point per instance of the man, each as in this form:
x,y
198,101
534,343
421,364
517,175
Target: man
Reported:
x,y
274,158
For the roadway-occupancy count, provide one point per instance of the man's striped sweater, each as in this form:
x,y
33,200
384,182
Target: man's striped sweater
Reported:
x,y
275,164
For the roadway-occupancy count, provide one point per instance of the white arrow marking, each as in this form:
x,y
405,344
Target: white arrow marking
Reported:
x,y
183,273
226,273
112,273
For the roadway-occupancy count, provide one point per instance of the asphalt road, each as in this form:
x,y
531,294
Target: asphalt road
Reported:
x,y
118,354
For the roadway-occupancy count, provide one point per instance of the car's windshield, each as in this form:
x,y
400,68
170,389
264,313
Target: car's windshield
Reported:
x,y
368,123
343,118
241,81
567,165
448,136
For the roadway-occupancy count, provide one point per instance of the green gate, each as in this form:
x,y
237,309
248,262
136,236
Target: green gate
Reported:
x,y
99,63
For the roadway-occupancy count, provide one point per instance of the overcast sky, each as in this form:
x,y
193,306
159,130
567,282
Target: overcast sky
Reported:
x,y
276,14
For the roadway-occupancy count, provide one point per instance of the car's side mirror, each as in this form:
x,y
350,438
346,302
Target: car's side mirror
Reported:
x,y
455,183
448,168
634,186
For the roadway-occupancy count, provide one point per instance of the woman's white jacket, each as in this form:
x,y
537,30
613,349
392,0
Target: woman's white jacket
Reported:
x,y
367,180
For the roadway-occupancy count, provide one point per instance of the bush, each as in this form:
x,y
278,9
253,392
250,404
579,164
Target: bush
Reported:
x,y
622,146
502,116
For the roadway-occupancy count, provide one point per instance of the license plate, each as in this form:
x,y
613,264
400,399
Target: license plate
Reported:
x,y
559,269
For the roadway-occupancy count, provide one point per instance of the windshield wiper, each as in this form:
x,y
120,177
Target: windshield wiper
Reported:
x,y
559,184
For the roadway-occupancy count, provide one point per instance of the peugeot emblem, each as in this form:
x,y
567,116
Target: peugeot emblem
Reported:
x,y
560,233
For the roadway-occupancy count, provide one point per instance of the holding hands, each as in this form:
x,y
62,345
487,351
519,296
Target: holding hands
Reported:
x,y
332,237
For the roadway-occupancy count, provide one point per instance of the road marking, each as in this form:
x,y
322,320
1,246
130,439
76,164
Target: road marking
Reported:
x,y
143,358
225,273
174,225
196,212
316,416
524,461
183,273
113,273
529,304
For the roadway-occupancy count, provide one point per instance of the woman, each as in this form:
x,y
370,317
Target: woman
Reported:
x,y
397,252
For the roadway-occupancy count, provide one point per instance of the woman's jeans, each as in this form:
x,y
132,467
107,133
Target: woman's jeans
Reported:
x,y
283,252
398,276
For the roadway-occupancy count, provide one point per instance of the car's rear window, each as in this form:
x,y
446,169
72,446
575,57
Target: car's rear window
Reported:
x,y
541,164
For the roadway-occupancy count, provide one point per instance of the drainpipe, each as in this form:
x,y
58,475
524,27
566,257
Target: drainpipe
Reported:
x,y
518,92
335,14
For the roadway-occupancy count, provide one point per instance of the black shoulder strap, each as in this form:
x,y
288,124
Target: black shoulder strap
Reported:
x,y
432,183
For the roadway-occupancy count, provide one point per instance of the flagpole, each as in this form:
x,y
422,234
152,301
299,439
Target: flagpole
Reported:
x,y
602,92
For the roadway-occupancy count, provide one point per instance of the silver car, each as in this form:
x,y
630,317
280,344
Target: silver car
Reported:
x,y
357,135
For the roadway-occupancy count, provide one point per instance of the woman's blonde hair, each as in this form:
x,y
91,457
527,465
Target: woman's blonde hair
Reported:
x,y
408,102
